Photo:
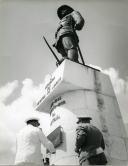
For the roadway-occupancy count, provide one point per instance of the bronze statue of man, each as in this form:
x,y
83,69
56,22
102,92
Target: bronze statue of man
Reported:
x,y
67,40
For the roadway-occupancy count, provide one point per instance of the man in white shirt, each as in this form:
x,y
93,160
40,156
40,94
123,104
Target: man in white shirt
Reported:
x,y
29,141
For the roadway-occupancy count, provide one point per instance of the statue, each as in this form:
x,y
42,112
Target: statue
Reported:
x,y
66,39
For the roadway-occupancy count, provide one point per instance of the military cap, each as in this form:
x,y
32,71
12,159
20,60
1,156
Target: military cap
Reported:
x,y
64,10
31,118
84,118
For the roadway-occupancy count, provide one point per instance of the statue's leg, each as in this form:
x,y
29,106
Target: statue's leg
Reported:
x,y
73,54
85,163
70,47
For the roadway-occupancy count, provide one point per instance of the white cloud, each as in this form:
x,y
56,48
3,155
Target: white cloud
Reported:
x,y
7,144
12,116
120,85
121,89
6,137
23,106
6,90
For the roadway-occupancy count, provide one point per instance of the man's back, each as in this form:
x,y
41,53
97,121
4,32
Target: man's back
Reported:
x,y
94,135
28,145
89,143
89,137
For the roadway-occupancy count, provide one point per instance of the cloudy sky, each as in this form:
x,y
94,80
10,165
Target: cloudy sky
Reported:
x,y
25,59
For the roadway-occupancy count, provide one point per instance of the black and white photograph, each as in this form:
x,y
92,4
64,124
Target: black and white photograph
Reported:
x,y
63,82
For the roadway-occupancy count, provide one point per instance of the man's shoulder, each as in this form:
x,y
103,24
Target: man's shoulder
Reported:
x,y
28,129
34,129
22,130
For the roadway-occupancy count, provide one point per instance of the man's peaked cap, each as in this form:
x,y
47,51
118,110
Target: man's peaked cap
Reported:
x,y
32,118
64,10
83,118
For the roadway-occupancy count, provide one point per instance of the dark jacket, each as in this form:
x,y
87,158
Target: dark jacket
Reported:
x,y
88,138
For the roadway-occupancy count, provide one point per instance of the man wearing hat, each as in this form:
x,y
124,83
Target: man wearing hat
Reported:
x,y
66,37
29,141
89,143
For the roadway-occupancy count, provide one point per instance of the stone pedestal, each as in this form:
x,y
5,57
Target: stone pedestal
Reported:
x,y
72,90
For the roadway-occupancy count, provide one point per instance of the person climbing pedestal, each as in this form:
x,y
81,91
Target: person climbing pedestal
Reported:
x,y
75,89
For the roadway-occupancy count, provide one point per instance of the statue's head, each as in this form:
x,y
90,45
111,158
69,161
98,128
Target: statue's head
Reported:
x,y
64,10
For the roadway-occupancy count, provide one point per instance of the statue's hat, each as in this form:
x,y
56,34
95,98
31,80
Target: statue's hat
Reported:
x,y
64,10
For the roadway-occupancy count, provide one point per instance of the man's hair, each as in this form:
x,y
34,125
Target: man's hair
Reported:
x,y
64,10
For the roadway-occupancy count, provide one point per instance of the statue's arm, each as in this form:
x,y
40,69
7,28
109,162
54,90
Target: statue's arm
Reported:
x,y
79,20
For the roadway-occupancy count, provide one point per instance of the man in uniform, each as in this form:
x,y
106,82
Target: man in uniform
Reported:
x,y
29,141
66,37
89,143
